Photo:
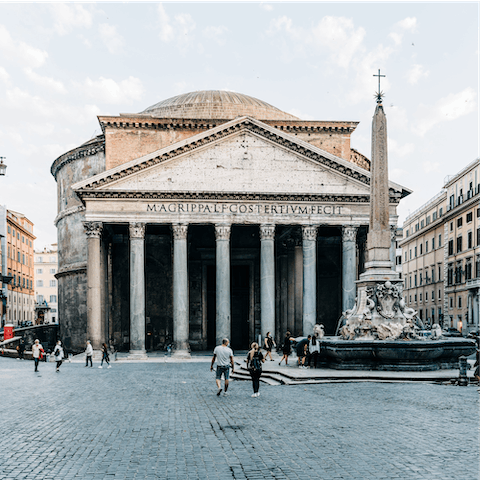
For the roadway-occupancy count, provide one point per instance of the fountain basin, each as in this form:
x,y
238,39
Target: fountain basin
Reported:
x,y
394,355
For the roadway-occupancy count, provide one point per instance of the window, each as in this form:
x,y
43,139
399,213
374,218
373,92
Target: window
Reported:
x,y
468,269
451,302
458,273
422,223
451,226
439,294
405,256
410,254
440,212
433,276
39,259
53,259
53,310
459,302
433,295
23,239
434,216
39,270
18,257
421,248
39,298
53,299
410,282
433,243
439,240
426,296
39,283
450,247
420,297
410,299
426,246
477,267
415,252
9,229
417,226
53,270
469,217
415,279
450,274
459,222
469,240
428,220
421,279
439,273
459,244
478,236
53,283
415,297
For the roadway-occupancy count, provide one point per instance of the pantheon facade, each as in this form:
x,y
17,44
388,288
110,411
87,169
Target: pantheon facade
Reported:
x,y
208,215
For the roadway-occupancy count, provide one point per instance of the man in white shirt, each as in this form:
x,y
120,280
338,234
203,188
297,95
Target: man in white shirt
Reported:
x,y
37,352
223,355
88,354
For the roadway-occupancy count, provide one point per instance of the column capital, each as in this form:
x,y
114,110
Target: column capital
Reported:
x,y
137,229
267,232
222,231
93,229
309,232
180,231
349,233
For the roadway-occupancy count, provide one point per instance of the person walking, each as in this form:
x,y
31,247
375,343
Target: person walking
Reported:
x,y
21,350
88,354
105,356
37,353
287,348
269,343
58,352
223,355
254,365
314,351
302,349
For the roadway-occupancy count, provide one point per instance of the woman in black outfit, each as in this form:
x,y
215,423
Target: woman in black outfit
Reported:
x,y
287,348
254,365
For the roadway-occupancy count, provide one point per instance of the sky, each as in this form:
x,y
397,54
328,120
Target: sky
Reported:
x,y
61,65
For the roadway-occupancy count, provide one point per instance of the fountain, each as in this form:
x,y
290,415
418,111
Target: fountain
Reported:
x,y
380,332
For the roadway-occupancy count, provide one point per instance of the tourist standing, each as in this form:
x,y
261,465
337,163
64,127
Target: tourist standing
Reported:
x,y
37,353
269,343
254,365
58,352
105,356
88,354
302,349
314,351
287,348
21,350
223,355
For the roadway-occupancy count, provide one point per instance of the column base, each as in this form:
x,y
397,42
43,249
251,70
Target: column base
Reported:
x,y
179,354
137,355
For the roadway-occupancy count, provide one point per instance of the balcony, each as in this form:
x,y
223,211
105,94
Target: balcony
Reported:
x,y
474,283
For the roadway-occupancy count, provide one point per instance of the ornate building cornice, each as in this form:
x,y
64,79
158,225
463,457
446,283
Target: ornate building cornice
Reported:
x,y
92,148
71,269
237,196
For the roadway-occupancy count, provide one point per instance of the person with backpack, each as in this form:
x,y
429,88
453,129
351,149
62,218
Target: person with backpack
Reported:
x,y
287,348
58,352
105,356
254,365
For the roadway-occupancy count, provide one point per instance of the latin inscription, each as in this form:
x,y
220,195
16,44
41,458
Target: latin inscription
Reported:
x,y
241,208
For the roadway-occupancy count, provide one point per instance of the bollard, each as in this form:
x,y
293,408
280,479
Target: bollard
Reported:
x,y
462,377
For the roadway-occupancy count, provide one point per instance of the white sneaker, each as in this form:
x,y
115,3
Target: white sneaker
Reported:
x,y
109,366
254,395
225,394
100,366
258,394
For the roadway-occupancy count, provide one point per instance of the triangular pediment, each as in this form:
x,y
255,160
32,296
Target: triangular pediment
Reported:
x,y
242,156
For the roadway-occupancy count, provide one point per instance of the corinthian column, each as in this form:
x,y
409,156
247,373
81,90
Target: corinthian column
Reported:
x,y
223,308
349,266
137,290
267,278
309,233
94,281
180,290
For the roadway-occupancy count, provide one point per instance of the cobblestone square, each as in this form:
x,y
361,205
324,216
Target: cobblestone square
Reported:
x,y
164,421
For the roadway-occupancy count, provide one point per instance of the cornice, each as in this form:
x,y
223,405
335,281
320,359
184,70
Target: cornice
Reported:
x,y
225,196
69,211
79,152
71,269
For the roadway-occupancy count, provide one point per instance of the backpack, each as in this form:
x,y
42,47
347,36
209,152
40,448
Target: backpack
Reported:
x,y
255,363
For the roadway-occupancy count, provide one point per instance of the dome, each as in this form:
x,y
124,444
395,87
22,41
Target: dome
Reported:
x,y
216,104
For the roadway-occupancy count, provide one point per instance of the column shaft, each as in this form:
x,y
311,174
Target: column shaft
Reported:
x,y
180,289
348,267
94,285
309,278
223,301
137,290
291,286
267,278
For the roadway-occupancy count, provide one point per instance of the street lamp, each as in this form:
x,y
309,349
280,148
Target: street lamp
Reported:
x,y
3,167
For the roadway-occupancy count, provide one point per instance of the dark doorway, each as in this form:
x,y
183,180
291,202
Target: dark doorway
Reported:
x,y
240,303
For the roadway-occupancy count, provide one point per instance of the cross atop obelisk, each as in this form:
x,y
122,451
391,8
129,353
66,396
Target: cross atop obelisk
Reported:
x,y
379,266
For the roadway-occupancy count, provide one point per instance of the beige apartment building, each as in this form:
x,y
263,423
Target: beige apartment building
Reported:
x,y
441,254
19,266
46,292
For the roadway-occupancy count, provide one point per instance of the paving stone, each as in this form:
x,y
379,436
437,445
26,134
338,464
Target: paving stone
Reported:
x,y
164,421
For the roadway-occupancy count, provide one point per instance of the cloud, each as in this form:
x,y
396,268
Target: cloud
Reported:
x,y
70,16
180,29
401,150
4,76
111,38
216,34
451,107
20,52
409,23
47,82
415,73
107,90
266,6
